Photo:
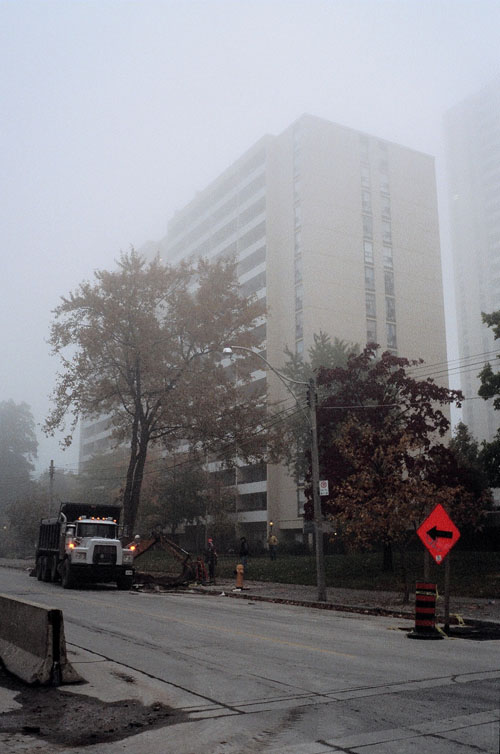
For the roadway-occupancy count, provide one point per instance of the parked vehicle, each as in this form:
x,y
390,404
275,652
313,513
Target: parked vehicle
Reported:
x,y
81,545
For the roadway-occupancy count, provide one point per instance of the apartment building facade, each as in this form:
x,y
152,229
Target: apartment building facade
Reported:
x,y
338,231
473,165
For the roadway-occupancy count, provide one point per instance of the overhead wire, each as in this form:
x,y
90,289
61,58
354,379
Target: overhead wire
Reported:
x,y
274,420
454,367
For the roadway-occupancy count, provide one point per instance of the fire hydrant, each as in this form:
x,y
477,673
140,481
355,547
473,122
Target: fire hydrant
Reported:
x,y
240,570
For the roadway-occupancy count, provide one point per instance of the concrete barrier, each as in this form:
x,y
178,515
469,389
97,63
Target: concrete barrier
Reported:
x,y
32,643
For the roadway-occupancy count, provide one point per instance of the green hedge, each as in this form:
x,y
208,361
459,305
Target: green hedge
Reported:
x,y
473,574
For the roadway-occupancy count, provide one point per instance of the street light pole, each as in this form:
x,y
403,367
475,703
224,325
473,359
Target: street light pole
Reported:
x,y
318,519
318,522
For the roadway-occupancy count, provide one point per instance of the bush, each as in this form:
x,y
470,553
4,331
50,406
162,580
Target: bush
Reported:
x,y
472,574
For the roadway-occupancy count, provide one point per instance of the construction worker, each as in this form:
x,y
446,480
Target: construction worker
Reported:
x,y
273,546
211,559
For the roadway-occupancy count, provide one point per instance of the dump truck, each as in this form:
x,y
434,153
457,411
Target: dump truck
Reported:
x,y
81,545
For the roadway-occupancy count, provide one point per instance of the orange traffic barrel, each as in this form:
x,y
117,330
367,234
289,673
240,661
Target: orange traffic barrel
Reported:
x,y
425,612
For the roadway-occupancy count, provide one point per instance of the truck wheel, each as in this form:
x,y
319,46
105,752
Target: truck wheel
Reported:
x,y
46,568
67,578
124,582
54,575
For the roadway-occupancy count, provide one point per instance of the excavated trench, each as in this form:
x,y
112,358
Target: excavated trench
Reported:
x,y
75,719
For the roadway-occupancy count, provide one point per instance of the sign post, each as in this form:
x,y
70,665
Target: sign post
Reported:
x,y
439,534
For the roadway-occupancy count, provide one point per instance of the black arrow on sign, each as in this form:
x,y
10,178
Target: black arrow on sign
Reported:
x,y
435,533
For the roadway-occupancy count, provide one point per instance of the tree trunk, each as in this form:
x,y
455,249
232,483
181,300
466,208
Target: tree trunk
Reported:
x,y
127,493
135,476
404,572
388,564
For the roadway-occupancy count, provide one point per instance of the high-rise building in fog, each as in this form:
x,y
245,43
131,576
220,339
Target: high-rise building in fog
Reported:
x,y
337,231
473,161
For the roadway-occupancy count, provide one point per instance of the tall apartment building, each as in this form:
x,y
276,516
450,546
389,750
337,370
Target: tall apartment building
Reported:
x,y
473,162
338,231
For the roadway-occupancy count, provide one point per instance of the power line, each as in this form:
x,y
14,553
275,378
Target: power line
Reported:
x,y
416,367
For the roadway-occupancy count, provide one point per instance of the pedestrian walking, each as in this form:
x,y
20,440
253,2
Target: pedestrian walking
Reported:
x,y
211,560
273,546
244,552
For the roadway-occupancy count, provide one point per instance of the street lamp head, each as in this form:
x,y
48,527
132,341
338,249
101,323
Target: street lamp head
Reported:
x,y
227,350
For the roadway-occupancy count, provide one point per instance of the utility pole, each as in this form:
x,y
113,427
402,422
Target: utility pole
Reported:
x,y
51,487
318,518
311,416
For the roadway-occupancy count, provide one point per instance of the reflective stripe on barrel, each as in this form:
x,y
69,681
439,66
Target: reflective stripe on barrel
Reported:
x,y
425,605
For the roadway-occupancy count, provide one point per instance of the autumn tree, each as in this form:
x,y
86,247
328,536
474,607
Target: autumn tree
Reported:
x,y
142,344
490,459
23,521
102,476
324,353
490,379
18,449
490,388
379,430
469,464
177,495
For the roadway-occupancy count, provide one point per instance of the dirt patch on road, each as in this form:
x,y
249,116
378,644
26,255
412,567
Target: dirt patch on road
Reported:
x,y
75,719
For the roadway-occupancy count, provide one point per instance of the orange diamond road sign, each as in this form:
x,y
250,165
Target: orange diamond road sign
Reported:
x,y
438,533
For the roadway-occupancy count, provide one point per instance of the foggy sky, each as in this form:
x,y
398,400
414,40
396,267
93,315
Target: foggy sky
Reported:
x,y
115,112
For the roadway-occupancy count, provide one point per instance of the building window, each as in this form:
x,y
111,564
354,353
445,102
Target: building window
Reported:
x,y
367,226
390,309
252,260
384,183
368,251
259,335
386,231
371,308
366,201
301,501
297,215
389,282
388,257
252,236
298,242
298,269
254,284
386,207
299,296
257,472
299,325
365,176
256,501
371,331
391,336
369,278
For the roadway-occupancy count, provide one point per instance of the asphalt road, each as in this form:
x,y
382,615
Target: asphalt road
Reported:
x,y
258,677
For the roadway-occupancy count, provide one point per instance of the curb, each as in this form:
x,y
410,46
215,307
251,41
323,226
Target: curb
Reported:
x,y
337,607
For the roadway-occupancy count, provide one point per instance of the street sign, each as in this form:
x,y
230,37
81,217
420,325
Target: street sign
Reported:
x,y
438,533
323,487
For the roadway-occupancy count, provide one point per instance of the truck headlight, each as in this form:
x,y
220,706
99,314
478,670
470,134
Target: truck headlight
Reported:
x,y
128,557
78,555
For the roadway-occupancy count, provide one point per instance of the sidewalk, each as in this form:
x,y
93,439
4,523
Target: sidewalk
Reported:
x,y
470,610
